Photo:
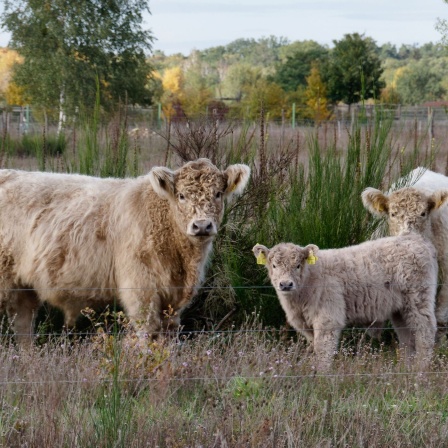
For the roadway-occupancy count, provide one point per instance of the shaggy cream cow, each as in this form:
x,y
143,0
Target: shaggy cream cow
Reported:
x,y
74,240
419,209
390,278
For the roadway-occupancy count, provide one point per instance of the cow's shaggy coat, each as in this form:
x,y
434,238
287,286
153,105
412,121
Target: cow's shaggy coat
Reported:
x,y
419,209
390,278
74,240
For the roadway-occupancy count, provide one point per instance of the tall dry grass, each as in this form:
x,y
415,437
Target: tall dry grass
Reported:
x,y
247,380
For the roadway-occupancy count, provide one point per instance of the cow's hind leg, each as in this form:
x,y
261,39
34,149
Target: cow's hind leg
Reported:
x,y
21,308
423,323
404,333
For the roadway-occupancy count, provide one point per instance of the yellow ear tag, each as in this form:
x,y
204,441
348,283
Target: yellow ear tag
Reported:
x,y
261,258
311,258
233,188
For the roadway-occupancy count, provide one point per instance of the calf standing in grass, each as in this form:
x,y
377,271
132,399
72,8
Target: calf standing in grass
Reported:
x,y
74,240
419,209
389,278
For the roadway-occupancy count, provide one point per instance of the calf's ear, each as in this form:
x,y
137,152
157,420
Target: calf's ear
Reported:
x,y
437,199
261,253
375,201
162,181
237,179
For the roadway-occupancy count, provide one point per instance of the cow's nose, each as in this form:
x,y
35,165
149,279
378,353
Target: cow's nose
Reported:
x,y
286,285
202,227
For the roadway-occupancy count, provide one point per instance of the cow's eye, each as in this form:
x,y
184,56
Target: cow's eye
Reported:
x,y
181,197
423,214
274,266
218,195
298,266
392,214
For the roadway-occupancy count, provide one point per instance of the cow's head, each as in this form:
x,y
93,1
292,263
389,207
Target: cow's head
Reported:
x,y
196,192
407,210
286,263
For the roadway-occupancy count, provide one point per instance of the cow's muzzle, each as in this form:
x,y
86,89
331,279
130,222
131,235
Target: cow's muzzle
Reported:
x,y
286,285
202,227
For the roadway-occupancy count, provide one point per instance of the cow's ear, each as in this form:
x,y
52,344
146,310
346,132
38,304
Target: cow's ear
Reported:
x,y
375,201
237,178
310,253
437,199
261,253
162,181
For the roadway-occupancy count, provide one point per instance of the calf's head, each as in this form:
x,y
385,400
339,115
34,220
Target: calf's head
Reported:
x,y
286,263
407,210
196,193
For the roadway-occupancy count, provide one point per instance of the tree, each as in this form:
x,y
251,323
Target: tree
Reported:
x,y
316,96
419,82
354,70
173,82
8,58
293,72
71,48
264,94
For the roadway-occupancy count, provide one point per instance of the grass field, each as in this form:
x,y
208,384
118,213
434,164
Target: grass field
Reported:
x,y
246,380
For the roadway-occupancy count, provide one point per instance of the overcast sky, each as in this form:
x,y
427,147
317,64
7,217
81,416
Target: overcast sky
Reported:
x,y
183,25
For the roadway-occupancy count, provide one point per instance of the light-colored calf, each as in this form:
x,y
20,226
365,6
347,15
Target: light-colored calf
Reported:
x,y
389,278
419,209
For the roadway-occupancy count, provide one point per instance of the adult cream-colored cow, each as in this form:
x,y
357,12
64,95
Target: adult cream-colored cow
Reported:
x,y
74,240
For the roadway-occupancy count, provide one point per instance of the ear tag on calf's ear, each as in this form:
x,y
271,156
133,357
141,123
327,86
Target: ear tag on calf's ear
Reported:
x,y
311,258
261,258
232,188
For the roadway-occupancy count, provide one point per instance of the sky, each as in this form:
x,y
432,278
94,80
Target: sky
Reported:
x,y
181,26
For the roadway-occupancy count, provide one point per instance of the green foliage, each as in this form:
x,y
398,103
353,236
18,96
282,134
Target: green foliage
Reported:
x,y
293,72
67,46
319,203
421,81
33,145
354,70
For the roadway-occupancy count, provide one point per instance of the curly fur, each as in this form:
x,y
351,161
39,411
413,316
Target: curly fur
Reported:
x,y
390,278
78,240
420,209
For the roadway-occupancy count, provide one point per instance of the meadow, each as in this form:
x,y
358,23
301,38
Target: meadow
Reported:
x,y
237,375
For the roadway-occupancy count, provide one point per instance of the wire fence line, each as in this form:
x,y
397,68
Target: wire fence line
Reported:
x,y
205,288
273,377
181,333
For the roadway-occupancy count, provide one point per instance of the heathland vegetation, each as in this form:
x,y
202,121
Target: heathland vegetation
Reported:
x,y
237,376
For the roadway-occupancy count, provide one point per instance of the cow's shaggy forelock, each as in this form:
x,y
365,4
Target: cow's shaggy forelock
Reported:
x,y
199,184
409,211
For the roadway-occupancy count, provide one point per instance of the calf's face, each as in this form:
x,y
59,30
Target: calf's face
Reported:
x,y
407,210
286,263
196,193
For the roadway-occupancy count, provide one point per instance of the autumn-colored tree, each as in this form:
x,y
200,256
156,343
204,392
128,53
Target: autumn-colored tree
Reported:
x,y
8,58
316,96
173,84
264,94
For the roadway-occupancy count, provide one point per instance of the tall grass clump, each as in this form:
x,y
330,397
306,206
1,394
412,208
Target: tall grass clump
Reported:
x,y
100,149
317,200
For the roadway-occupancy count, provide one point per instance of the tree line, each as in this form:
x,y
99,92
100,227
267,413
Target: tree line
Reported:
x,y
65,56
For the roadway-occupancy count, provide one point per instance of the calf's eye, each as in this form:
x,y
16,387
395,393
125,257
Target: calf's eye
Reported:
x,y
181,197
218,195
423,214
